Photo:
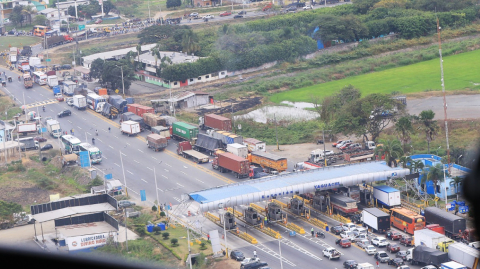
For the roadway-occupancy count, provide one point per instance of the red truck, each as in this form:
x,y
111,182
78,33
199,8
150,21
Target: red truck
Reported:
x,y
185,149
212,121
436,228
228,162
139,109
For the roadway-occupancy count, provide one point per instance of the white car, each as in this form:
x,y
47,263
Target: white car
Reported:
x,y
363,243
331,253
208,16
70,101
406,267
475,245
343,143
380,241
194,14
350,226
426,267
249,260
307,7
360,237
348,235
359,231
370,250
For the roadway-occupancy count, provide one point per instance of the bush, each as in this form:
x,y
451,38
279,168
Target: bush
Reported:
x,y
141,231
154,208
162,214
165,235
157,230
174,241
203,246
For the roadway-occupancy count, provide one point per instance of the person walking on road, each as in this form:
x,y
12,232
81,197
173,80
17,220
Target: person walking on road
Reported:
x,y
266,220
255,253
109,129
313,232
71,131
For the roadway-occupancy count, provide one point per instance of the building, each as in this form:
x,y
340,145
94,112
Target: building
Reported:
x,y
67,4
6,7
184,100
149,63
202,3
114,54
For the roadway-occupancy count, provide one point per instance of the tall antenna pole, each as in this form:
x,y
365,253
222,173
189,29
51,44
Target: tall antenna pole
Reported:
x,y
443,90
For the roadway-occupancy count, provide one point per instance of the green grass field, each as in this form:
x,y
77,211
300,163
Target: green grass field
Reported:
x,y
17,41
461,72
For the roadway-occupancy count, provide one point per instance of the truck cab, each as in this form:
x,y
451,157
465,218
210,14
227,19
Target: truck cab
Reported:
x,y
443,246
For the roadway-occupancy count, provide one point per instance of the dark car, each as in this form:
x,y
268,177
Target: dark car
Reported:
x,y
64,113
238,16
40,139
243,12
46,147
350,264
336,230
237,255
406,241
254,265
291,9
393,248
125,203
394,235
396,262
344,243
66,66
402,255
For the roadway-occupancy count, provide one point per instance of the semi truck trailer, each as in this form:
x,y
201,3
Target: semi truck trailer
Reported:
x,y
217,122
268,161
376,219
185,149
227,162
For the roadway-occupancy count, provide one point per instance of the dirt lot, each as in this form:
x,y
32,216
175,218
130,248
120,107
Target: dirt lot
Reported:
x,y
298,152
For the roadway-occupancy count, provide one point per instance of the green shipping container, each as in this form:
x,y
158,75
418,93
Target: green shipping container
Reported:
x,y
185,131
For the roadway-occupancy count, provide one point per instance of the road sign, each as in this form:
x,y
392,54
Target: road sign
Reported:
x,y
84,159
116,91
108,176
43,130
48,60
81,27
143,195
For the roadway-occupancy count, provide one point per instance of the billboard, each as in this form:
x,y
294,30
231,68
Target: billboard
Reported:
x,y
88,241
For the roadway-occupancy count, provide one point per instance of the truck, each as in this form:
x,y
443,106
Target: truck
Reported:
x,y
254,144
256,172
454,225
118,102
58,40
23,66
152,120
69,87
53,127
304,166
343,205
130,127
52,81
207,144
130,116
387,196
80,102
238,149
365,265
13,54
376,219
26,51
161,130
429,238
227,162
268,161
27,81
108,110
33,61
184,148
57,90
26,128
212,121
94,102
465,255
426,256
156,142
370,145
452,265
436,228
28,143
183,131
139,110
226,137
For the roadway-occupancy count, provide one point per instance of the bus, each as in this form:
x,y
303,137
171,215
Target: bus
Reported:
x,y
71,143
40,78
40,30
94,152
406,220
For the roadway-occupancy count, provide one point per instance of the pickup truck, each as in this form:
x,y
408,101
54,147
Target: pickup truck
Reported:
x,y
331,253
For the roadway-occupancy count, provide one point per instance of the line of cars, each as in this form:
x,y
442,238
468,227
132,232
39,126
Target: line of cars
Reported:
x,y
248,263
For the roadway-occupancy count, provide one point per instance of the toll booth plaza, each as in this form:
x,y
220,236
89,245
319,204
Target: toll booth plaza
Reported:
x,y
80,222
256,190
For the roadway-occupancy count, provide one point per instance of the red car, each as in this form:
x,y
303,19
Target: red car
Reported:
x,y
40,139
393,248
226,13
344,243
394,235
338,142
345,146
406,241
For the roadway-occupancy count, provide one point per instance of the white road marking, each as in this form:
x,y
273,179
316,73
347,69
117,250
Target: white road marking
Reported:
x,y
149,168
110,146
123,154
41,94
136,161
115,136
154,158
116,164
168,165
90,134
177,199
199,180
160,189
140,150
184,173
99,140
103,156
128,144
79,127
166,170
51,110
144,180
164,176
69,121
129,172
180,185
84,119
185,167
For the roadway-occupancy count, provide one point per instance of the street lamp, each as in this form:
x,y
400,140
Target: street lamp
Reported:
x,y
438,149
224,227
458,159
123,170
123,83
413,150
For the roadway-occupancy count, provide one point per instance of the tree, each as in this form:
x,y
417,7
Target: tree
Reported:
x,y
456,182
435,174
391,149
429,126
190,42
7,209
112,73
406,162
165,235
417,165
29,11
331,105
16,16
404,128
71,11
363,6
96,68
443,5
139,50
154,208
391,4
108,6
157,230
173,3
331,27
174,241
39,20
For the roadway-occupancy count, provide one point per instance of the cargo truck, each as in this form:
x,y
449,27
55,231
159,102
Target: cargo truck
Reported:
x,y
13,54
454,225
80,102
33,61
153,120
226,137
26,128
27,81
365,265
304,166
436,228
109,111
130,116
118,102
254,144
465,255
429,238
268,161
185,149
255,172
183,131
207,144
161,130
57,41
140,109
387,196
53,127
343,205
452,265
227,162
212,121
156,142
426,256
56,89
69,87
238,149
376,219
130,127
28,143
52,81
94,102
23,66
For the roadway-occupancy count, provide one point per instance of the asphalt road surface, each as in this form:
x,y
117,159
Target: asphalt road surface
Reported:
x,y
458,106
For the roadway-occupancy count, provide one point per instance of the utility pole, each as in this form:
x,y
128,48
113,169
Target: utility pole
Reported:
x,y
123,84
59,17
156,189
233,119
126,230
76,11
123,170
103,14
324,154
189,251
276,132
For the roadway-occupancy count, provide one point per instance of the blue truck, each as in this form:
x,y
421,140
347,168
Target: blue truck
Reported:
x,y
56,89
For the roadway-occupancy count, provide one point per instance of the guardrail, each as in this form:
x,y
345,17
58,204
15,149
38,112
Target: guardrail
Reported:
x,y
306,201
318,223
271,233
281,204
257,208
341,218
237,213
212,217
248,238
295,228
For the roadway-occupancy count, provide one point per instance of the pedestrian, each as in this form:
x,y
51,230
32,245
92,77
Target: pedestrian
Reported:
x,y
109,129
313,232
378,265
255,253
208,237
266,220
456,209
71,131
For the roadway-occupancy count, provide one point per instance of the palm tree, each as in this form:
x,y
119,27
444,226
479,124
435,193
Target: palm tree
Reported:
x,y
405,160
392,149
189,42
404,128
436,174
456,181
156,53
429,126
417,165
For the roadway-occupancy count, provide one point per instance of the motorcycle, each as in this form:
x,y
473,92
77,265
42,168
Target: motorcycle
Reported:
x,y
320,234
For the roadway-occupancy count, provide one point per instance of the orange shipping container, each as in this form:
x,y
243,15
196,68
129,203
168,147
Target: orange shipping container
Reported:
x,y
102,92
268,160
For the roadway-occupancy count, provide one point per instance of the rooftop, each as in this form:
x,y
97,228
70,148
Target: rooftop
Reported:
x,y
175,57
85,229
115,53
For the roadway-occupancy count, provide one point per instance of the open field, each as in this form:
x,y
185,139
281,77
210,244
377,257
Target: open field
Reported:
x,y
461,72
17,41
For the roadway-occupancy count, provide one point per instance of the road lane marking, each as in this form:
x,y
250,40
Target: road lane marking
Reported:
x,y
199,180
116,164
103,156
136,161
51,110
164,176
149,168
144,180
180,185
128,144
168,165
185,167
129,172
99,140
184,173
110,146
154,158
177,199
79,127
115,136
166,170
90,134
160,189
123,154
140,150
69,121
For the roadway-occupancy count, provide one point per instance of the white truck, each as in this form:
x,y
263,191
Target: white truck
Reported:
x,y
130,127
69,87
33,61
254,144
452,265
26,128
13,54
53,127
370,145
28,143
376,219
429,238
464,254
365,265
238,149
387,196
80,102
52,81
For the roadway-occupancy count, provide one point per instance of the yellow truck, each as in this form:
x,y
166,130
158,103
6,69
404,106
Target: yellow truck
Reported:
x,y
268,161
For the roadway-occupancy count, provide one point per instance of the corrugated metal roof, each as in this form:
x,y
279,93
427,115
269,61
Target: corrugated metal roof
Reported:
x,y
252,140
233,156
268,155
386,188
215,116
